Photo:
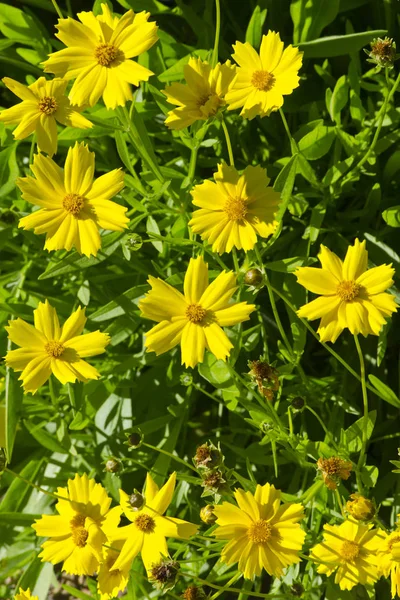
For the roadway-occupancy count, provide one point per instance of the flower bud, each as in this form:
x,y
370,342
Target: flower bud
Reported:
x,y
136,500
298,403
164,575
383,52
361,508
253,277
134,242
135,438
186,379
208,456
112,465
213,481
207,514
193,593
297,590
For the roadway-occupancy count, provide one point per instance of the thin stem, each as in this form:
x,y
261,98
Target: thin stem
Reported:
x,y
228,143
58,10
320,421
192,164
338,498
365,405
37,487
227,586
234,590
214,58
180,460
235,260
286,126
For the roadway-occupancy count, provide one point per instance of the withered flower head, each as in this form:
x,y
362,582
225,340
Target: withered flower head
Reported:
x,y
213,481
383,52
207,456
207,514
193,593
164,575
361,508
266,377
333,470
112,465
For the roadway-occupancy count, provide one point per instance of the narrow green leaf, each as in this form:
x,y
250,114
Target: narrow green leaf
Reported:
x,y
337,45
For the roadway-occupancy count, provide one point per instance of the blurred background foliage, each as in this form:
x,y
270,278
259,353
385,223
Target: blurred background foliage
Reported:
x,y
327,198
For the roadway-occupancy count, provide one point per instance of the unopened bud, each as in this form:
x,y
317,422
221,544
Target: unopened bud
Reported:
x,y
186,379
207,514
112,465
136,500
253,277
164,575
298,403
135,438
134,242
361,508
208,456
297,590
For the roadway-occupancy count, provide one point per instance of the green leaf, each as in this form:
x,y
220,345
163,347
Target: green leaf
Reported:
x,y
9,170
122,305
392,216
288,265
73,261
44,438
317,142
13,400
254,28
337,45
385,392
354,434
15,496
338,99
152,227
215,371
310,17
19,26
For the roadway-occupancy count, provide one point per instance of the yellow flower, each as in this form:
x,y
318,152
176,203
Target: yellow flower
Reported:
x,y
43,104
333,470
73,204
263,79
361,508
193,319
25,595
98,55
149,528
388,558
350,550
77,533
262,532
235,208
351,295
202,95
110,581
47,348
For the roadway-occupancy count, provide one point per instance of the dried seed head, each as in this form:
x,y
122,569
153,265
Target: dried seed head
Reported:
x,y
333,470
213,480
208,456
193,593
361,508
207,514
297,590
383,52
266,377
164,575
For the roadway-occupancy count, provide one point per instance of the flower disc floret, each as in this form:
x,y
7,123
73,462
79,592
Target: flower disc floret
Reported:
x,y
48,105
236,209
73,203
195,313
263,80
349,550
54,349
348,290
259,532
145,523
106,54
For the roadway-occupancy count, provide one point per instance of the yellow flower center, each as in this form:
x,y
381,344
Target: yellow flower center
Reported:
x,y
48,105
263,80
145,523
106,54
195,313
54,349
348,290
259,532
79,533
73,203
350,550
236,209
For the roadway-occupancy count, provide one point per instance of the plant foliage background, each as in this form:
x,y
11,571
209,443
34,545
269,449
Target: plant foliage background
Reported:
x,y
333,117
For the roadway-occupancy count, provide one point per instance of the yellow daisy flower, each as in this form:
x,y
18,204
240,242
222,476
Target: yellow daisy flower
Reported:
x,y
98,55
201,96
195,318
25,595
263,79
110,581
149,527
73,204
43,105
388,559
262,532
77,534
46,348
350,550
234,208
351,295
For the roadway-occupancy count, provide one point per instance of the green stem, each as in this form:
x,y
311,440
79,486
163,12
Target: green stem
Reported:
x,y
320,421
173,456
37,487
227,586
338,498
214,58
235,590
228,143
361,458
286,126
58,10
235,260
192,164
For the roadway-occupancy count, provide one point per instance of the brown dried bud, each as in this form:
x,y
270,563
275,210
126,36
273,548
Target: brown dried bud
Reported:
x,y
333,470
383,52
207,456
361,508
253,277
266,377
164,575
213,481
112,465
193,593
207,514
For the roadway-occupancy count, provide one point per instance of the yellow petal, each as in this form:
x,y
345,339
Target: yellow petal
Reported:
x,y
46,131
132,72
89,85
130,549
219,292
271,51
109,215
319,307
196,280
354,316
36,373
217,341
151,488
176,528
23,110
163,301
228,513
377,280
20,90
330,262
62,371
209,195
89,237
165,335
356,261
246,56
82,370
55,551
25,335
385,303
289,63
236,313
46,320
247,503
52,526
43,221
28,125
69,117
89,344
79,169
137,38
318,281
163,498
74,325
73,33
154,549
376,319
117,91
193,344
106,186
19,359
